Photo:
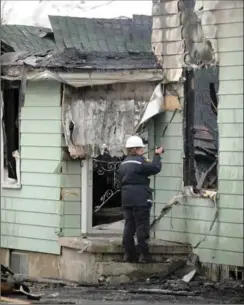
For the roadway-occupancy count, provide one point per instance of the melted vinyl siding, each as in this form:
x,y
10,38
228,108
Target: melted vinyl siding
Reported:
x,y
191,221
219,20
71,195
30,216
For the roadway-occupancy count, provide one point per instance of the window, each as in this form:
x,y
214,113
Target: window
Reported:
x,y
10,161
201,129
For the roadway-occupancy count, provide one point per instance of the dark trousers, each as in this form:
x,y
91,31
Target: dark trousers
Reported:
x,y
137,221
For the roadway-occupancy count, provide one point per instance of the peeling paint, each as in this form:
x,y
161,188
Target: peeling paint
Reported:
x,y
181,38
102,115
199,51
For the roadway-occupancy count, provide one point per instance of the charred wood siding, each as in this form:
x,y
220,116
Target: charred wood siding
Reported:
x,y
190,222
103,115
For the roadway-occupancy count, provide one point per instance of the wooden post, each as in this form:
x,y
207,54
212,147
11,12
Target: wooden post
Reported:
x,y
86,196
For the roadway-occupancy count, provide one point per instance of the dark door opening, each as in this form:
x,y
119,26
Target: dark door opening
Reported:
x,y
106,189
201,128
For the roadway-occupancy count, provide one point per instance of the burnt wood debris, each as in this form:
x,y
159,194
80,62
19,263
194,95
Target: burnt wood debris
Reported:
x,y
14,285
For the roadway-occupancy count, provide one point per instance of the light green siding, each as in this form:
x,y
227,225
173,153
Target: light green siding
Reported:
x,y
191,220
230,124
71,198
30,218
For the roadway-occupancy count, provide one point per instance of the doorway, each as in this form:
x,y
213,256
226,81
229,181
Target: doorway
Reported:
x,y
106,190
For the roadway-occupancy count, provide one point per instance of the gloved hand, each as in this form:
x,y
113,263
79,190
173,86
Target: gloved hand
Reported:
x,y
159,150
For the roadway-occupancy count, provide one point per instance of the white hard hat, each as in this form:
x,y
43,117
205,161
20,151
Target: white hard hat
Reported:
x,y
134,141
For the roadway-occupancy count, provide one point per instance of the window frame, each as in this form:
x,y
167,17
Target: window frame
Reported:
x,y
5,184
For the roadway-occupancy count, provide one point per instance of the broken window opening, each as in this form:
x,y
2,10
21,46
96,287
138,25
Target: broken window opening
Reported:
x,y
10,132
201,129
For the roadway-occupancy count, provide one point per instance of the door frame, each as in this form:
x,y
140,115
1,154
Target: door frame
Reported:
x,y
86,196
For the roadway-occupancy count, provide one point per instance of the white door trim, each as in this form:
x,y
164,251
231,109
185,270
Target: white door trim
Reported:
x,y
86,196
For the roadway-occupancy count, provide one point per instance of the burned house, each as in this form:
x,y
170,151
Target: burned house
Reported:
x,y
87,84
70,98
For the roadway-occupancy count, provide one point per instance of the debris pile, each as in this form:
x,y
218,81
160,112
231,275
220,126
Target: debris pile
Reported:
x,y
206,153
193,284
12,285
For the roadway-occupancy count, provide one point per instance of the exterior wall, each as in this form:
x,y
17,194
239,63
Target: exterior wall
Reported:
x,y
71,198
30,216
191,220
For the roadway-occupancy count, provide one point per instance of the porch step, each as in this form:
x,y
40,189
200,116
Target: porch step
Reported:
x,y
94,260
119,273
113,245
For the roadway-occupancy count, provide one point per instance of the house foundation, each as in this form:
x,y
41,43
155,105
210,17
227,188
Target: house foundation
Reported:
x,y
95,260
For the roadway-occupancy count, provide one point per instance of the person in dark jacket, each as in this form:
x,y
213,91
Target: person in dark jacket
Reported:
x,y
134,174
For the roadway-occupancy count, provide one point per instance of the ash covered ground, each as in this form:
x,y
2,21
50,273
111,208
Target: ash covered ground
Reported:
x,y
173,290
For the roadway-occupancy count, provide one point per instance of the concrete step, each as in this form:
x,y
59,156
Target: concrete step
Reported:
x,y
84,268
118,272
119,258
94,260
113,245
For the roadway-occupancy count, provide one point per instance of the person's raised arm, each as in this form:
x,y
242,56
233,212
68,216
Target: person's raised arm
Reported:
x,y
153,167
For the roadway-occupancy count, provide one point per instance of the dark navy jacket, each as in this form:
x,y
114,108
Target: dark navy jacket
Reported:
x,y
134,174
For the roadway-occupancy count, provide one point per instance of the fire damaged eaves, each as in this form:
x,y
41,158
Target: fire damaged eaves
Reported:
x,y
75,59
80,69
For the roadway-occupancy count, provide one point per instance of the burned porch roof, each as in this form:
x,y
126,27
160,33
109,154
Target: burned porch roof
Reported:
x,y
88,53
75,59
22,38
91,44
101,44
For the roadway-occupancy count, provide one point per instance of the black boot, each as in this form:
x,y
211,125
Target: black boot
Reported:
x,y
145,258
130,258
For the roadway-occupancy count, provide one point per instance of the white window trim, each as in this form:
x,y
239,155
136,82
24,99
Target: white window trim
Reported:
x,y
7,182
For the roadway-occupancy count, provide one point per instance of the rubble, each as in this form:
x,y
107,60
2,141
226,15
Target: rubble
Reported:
x,y
206,153
170,289
189,276
166,290
13,284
